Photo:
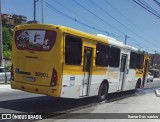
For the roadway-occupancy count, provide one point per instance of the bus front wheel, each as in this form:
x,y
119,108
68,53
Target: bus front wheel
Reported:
x,y
103,91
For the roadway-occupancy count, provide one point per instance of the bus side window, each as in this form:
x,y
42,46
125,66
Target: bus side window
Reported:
x,y
102,55
73,50
133,60
140,59
114,57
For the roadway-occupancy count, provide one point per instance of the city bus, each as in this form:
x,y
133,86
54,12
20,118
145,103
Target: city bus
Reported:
x,y
63,62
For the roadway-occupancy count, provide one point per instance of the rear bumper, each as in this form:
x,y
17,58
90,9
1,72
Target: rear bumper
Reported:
x,y
46,90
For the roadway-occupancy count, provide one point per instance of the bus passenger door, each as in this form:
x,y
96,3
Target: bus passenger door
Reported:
x,y
123,71
87,63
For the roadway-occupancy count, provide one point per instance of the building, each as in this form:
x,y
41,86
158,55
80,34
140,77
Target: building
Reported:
x,y
155,61
10,21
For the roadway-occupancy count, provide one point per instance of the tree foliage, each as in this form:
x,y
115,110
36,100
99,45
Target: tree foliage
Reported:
x,y
7,55
6,36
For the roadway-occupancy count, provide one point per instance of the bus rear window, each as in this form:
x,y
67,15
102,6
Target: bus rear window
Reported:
x,y
36,40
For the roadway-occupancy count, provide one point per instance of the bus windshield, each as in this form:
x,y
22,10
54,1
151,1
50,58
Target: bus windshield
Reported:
x,y
36,40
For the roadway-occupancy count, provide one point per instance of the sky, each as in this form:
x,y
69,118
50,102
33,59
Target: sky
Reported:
x,y
115,18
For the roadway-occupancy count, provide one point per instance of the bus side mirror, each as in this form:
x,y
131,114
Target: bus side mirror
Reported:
x,y
157,92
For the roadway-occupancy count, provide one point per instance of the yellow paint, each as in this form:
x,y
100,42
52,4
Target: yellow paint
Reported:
x,y
33,88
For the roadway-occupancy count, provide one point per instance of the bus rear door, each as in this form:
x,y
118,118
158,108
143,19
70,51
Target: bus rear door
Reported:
x,y
123,71
87,70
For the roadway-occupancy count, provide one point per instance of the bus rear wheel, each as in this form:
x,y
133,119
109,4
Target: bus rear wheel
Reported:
x,y
138,84
103,91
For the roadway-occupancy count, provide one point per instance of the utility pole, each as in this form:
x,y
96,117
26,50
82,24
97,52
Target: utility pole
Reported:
x,y
34,13
126,37
155,58
1,41
42,11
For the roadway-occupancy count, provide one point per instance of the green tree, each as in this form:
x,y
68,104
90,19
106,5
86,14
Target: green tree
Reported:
x,y
6,43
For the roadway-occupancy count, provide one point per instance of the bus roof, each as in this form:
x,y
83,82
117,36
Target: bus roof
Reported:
x,y
97,37
111,40
63,29
118,43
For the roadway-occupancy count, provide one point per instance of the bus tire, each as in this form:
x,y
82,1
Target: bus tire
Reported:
x,y
103,91
138,84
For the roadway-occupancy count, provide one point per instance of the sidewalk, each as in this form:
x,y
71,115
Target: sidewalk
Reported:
x,y
4,82
5,88
156,78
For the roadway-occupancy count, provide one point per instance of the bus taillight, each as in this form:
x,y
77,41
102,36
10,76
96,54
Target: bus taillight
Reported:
x,y
12,73
54,78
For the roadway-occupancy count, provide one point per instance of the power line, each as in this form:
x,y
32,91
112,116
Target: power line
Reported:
x,y
158,3
105,21
71,18
75,13
148,6
74,19
144,7
117,20
129,21
98,17
136,43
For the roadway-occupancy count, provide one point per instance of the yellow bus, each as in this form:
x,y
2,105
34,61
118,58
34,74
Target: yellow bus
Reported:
x,y
63,62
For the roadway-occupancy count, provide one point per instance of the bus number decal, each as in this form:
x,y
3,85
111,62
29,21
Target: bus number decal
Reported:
x,y
40,74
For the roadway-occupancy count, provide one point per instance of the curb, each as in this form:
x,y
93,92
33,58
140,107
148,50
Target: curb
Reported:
x,y
3,83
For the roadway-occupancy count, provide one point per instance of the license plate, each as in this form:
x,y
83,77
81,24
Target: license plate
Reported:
x,y
30,79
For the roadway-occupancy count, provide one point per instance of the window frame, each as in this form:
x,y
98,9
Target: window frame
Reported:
x,y
103,46
22,36
133,60
139,56
117,64
80,51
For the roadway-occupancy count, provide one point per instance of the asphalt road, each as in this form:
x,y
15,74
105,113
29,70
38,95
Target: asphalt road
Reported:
x,y
15,101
